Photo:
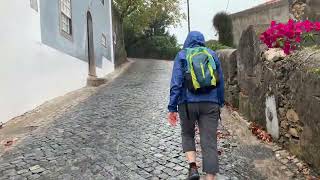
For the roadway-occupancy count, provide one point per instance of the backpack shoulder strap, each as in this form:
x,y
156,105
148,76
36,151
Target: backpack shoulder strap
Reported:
x,y
211,58
189,52
183,59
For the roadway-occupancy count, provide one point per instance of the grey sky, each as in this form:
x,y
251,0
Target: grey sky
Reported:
x,y
202,12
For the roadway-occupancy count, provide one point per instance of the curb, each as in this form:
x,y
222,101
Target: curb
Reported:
x,y
97,82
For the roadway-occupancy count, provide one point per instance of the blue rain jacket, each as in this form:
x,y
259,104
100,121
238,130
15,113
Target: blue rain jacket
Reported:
x,y
180,94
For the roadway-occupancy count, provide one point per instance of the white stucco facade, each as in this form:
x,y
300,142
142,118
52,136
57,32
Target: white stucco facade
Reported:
x,y
31,72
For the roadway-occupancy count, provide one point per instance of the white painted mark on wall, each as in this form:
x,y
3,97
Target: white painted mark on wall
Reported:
x,y
271,117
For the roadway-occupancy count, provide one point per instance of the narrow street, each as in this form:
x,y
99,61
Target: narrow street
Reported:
x,y
121,133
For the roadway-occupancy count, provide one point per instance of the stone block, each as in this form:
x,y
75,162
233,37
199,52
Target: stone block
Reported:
x,y
244,106
95,82
228,58
249,51
232,95
274,55
292,116
293,132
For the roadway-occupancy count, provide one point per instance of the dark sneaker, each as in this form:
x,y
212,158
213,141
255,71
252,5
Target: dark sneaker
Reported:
x,y
193,174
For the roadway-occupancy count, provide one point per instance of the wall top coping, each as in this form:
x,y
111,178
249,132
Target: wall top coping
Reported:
x,y
261,7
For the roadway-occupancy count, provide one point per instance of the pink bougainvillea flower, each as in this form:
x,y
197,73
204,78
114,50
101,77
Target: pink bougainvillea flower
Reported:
x,y
291,21
273,23
288,36
290,33
308,25
287,47
317,26
291,24
299,25
298,31
298,39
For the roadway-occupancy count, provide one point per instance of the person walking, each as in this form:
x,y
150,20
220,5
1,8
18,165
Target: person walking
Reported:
x,y
197,94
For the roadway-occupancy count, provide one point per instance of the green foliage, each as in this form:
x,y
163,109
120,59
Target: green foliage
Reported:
x,y
316,71
140,13
157,47
222,22
145,29
127,7
145,23
215,45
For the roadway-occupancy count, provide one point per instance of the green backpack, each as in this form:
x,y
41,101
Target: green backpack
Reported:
x,y
201,75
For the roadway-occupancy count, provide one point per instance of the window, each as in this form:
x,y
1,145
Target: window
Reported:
x,y
102,1
104,40
65,18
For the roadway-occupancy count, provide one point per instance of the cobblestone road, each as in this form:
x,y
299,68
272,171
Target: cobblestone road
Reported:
x,y
119,133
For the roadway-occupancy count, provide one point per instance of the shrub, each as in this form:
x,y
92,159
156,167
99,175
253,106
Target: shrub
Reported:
x,y
215,45
158,47
222,22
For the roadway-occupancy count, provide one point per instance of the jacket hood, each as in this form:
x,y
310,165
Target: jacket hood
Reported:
x,y
195,38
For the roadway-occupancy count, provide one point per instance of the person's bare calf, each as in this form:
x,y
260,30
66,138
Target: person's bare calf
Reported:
x,y
191,156
210,177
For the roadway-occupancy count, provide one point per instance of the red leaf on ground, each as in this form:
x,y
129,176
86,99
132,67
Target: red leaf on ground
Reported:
x,y
219,134
260,133
222,135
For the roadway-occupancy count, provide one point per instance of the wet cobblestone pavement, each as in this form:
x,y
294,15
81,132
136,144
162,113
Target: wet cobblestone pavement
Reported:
x,y
121,132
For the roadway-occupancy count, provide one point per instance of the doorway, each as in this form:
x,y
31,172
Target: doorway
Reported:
x,y
91,57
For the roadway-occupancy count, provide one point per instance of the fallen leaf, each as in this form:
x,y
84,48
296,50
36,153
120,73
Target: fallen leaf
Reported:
x,y
8,143
221,135
302,167
260,133
306,171
312,178
290,158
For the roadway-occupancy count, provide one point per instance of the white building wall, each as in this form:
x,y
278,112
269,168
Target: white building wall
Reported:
x,y
31,72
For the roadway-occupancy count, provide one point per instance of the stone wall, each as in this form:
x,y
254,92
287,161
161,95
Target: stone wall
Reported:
x,y
279,10
281,94
260,15
120,54
229,66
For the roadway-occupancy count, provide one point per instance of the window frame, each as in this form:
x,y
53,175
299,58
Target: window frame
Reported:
x,y
61,14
